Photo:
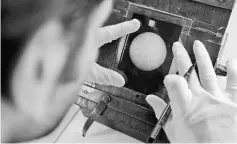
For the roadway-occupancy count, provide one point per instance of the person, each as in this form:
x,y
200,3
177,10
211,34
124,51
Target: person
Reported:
x,y
50,48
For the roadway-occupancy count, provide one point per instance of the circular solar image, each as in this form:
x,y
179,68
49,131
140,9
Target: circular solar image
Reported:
x,y
148,51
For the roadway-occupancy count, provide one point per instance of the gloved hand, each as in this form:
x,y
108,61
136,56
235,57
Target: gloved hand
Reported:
x,y
200,111
107,34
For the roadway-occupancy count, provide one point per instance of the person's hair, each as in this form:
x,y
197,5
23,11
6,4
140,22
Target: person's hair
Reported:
x,y
22,18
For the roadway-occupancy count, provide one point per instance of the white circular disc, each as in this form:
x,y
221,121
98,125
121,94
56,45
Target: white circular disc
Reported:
x,y
148,51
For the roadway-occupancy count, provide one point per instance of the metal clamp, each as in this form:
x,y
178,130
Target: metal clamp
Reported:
x,y
95,113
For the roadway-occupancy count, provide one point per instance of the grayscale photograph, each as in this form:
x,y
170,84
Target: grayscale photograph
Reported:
x,y
118,71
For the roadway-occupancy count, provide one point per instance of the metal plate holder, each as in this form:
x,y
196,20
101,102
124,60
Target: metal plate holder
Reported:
x,y
127,111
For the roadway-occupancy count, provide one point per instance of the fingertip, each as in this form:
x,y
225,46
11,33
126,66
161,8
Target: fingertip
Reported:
x,y
150,98
181,58
167,80
178,50
157,104
137,24
176,45
106,76
197,43
198,48
154,100
120,82
123,78
174,81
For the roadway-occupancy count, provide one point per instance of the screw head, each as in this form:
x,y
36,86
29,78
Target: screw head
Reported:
x,y
106,99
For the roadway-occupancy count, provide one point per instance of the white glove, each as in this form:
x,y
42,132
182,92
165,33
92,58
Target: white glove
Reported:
x,y
107,34
200,111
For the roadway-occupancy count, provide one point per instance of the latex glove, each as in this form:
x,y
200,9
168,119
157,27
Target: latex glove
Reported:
x,y
107,34
200,111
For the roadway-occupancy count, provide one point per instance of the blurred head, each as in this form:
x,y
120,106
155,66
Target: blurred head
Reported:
x,y
45,36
